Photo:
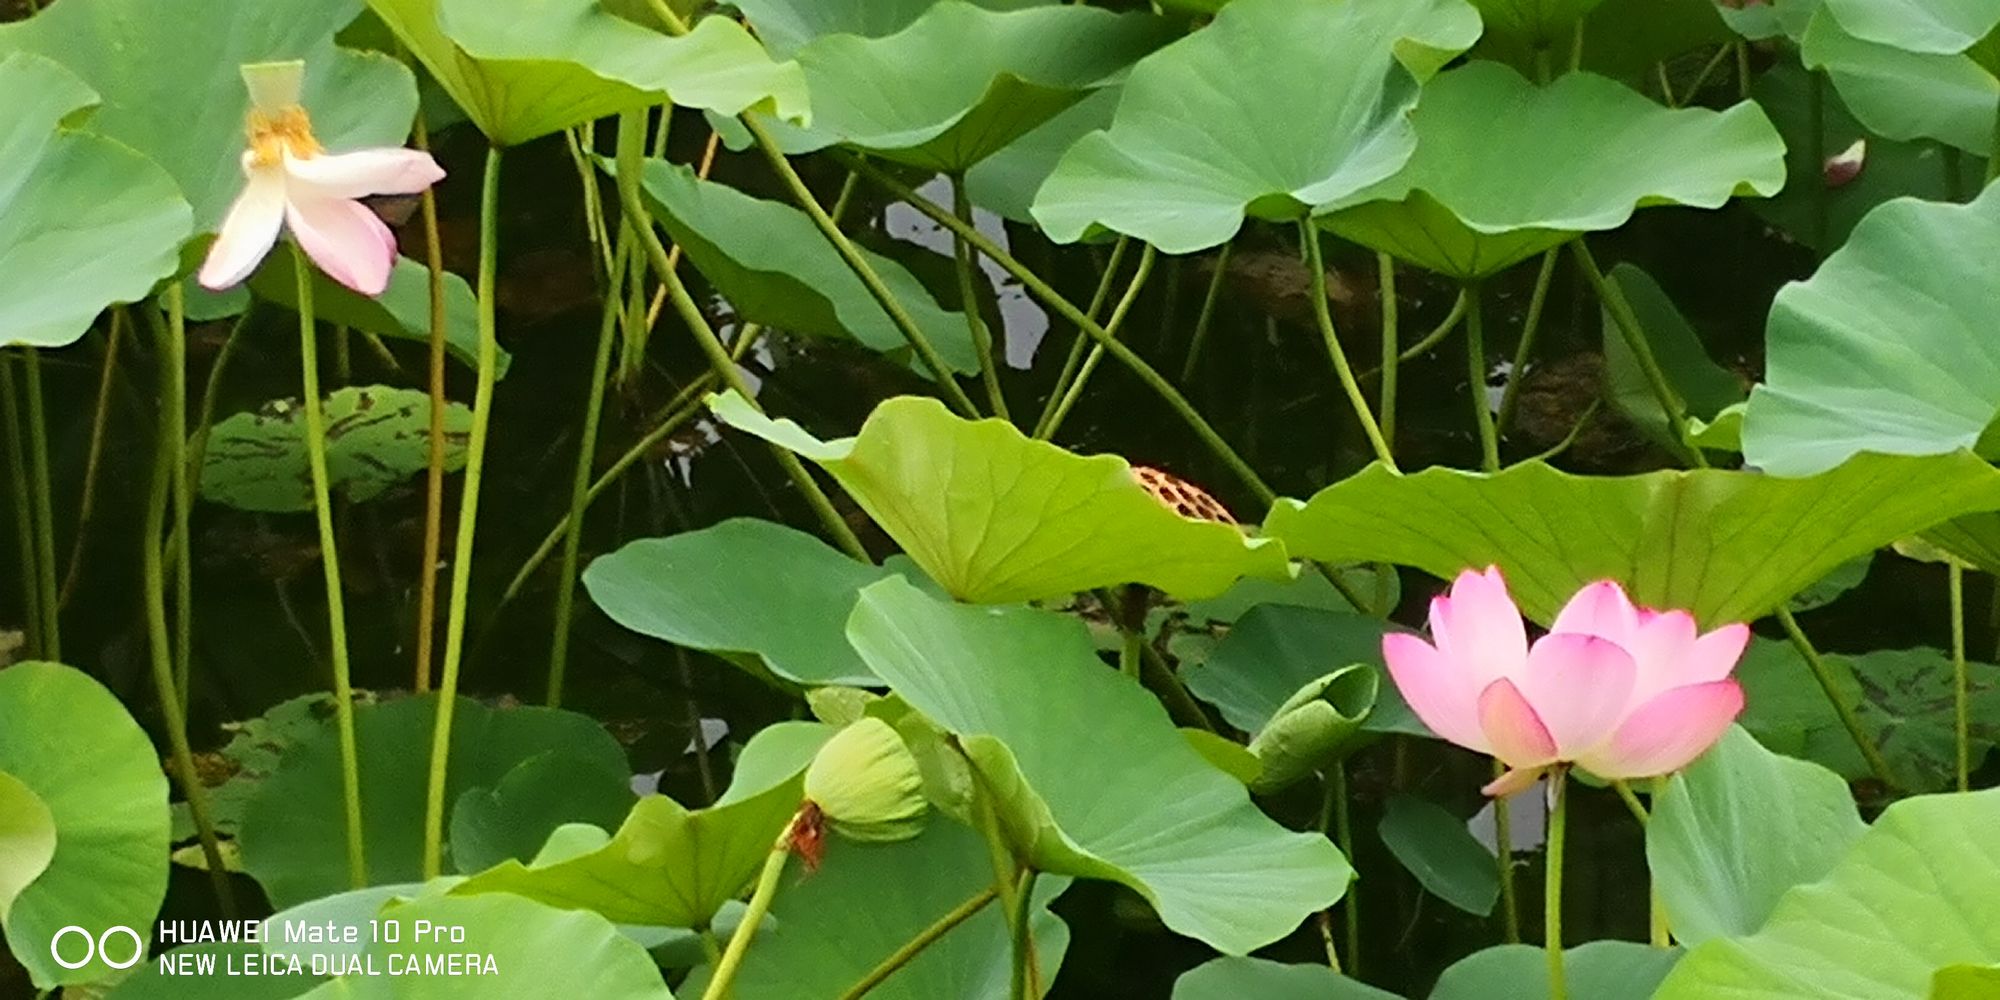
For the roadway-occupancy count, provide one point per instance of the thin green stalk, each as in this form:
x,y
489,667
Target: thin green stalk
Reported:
x,y
1877,764
434,443
1027,975
1959,692
1076,347
1005,869
99,422
1707,70
1475,374
1659,932
760,904
468,513
803,196
968,299
1629,327
1205,319
329,560
1336,803
1503,840
183,504
45,519
1552,916
1053,299
1632,803
1548,454
204,418
845,199
1742,47
629,127
24,508
1510,398
1074,391
915,946
1430,340
1385,270
579,486
1323,314
170,452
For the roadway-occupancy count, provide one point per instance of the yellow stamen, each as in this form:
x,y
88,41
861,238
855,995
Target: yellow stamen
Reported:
x,y
289,130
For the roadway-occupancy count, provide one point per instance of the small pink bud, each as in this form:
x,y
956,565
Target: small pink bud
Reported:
x,y
1846,165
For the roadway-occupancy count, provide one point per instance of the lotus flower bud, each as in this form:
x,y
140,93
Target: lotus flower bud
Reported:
x,y
865,783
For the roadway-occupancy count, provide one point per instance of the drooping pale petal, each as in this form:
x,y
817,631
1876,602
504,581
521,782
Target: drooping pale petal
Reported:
x,y
1668,732
362,173
1442,694
346,239
1477,627
1517,734
1580,687
1514,781
248,231
1600,609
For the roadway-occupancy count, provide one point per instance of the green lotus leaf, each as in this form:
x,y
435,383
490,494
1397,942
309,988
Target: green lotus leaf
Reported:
x,y
1919,892
1232,978
1705,388
1601,970
1434,845
742,586
832,928
1315,727
1966,982
1480,194
1726,546
995,517
1906,95
167,72
84,221
1533,24
512,820
376,437
27,839
1276,108
1274,650
1887,348
769,261
525,68
292,833
70,744
403,310
1006,181
1737,829
1027,696
1943,26
1626,40
1773,19
787,26
671,866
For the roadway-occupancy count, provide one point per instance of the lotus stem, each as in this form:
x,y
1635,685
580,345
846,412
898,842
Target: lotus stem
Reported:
x,y
45,522
1475,374
1510,397
915,946
1634,333
630,126
760,904
1205,319
170,451
24,510
1552,935
1074,360
1027,969
1074,391
1385,271
100,419
1848,719
468,514
1503,842
1961,704
1659,931
1323,314
968,296
1335,807
434,462
183,499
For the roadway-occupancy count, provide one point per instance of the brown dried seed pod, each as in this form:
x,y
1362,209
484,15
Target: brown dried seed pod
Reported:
x,y
1182,497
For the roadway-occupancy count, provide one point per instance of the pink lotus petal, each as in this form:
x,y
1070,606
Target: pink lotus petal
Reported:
x,y
1517,734
248,231
1714,655
1513,781
1600,609
362,173
1478,627
1579,686
1660,646
346,240
1440,692
1668,732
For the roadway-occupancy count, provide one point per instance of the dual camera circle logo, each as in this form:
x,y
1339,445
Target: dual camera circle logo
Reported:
x,y
98,947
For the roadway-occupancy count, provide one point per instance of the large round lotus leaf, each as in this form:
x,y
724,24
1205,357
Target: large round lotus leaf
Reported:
x,y
775,268
293,833
1275,108
786,26
1005,182
1727,546
742,586
1945,26
1906,95
70,743
961,81
1436,847
1889,347
1600,970
27,838
526,68
1737,829
1482,192
817,949
1918,893
84,221
1232,978
168,74
376,437
996,517
669,866
1028,698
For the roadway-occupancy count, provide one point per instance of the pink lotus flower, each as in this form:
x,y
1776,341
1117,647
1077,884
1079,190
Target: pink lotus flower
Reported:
x,y
1622,691
290,181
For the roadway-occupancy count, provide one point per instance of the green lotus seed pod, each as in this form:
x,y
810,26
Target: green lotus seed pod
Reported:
x,y
866,782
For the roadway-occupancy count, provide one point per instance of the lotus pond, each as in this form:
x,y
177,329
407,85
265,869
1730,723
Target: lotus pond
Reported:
x,y
1000,499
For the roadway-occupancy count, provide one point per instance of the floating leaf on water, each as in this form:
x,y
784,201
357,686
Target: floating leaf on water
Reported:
x,y
376,437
